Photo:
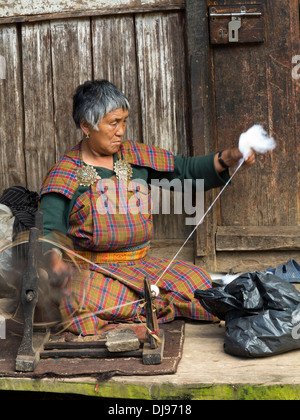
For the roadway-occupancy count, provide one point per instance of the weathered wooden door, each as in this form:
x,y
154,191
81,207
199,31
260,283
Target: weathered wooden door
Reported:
x,y
51,47
239,78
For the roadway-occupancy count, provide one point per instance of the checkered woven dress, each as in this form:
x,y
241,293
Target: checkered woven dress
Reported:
x,y
111,291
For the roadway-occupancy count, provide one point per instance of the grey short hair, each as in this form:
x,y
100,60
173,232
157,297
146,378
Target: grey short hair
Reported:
x,y
93,100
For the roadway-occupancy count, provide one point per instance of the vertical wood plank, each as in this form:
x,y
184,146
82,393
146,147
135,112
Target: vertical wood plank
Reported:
x,y
238,108
202,116
39,144
162,80
114,58
161,60
72,65
295,34
12,164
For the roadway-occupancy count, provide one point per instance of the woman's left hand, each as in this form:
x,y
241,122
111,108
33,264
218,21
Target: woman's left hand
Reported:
x,y
232,157
250,159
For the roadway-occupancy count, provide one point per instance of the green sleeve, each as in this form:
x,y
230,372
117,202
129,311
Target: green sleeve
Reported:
x,y
55,209
198,167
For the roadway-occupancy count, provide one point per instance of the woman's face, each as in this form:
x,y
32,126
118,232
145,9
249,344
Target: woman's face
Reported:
x,y
107,140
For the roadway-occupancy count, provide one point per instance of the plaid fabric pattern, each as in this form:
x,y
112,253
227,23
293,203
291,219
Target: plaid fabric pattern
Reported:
x,y
61,178
143,155
94,231
96,299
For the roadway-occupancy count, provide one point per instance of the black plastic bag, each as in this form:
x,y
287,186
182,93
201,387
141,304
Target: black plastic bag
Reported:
x,y
261,314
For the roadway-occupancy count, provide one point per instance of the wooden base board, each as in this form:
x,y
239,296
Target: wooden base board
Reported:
x,y
243,261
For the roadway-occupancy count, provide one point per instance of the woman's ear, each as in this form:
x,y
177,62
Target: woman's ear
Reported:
x,y
85,128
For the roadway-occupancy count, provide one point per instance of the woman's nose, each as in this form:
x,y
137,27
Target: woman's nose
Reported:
x,y
121,129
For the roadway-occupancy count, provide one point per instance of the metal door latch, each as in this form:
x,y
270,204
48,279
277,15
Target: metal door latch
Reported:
x,y
233,29
236,24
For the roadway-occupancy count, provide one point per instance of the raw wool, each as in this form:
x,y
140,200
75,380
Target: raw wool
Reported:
x,y
257,139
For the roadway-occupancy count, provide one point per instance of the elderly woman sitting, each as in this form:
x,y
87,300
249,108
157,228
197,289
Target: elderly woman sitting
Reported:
x,y
115,242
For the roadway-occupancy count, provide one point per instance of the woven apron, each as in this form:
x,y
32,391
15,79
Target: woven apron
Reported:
x,y
109,288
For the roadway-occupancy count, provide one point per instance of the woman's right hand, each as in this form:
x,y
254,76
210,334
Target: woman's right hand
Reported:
x,y
60,272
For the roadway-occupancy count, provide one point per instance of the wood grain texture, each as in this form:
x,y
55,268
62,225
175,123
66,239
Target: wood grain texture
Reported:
x,y
22,8
250,84
258,238
254,86
51,58
72,65
161,59
246,261
251,30
162,80
114,59
202,120
12,163
145,54
39,146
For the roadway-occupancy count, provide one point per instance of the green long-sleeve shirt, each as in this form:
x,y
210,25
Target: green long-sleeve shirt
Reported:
x,y
56,207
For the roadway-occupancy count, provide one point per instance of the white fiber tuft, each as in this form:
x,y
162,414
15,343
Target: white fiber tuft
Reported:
x,y
257,139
